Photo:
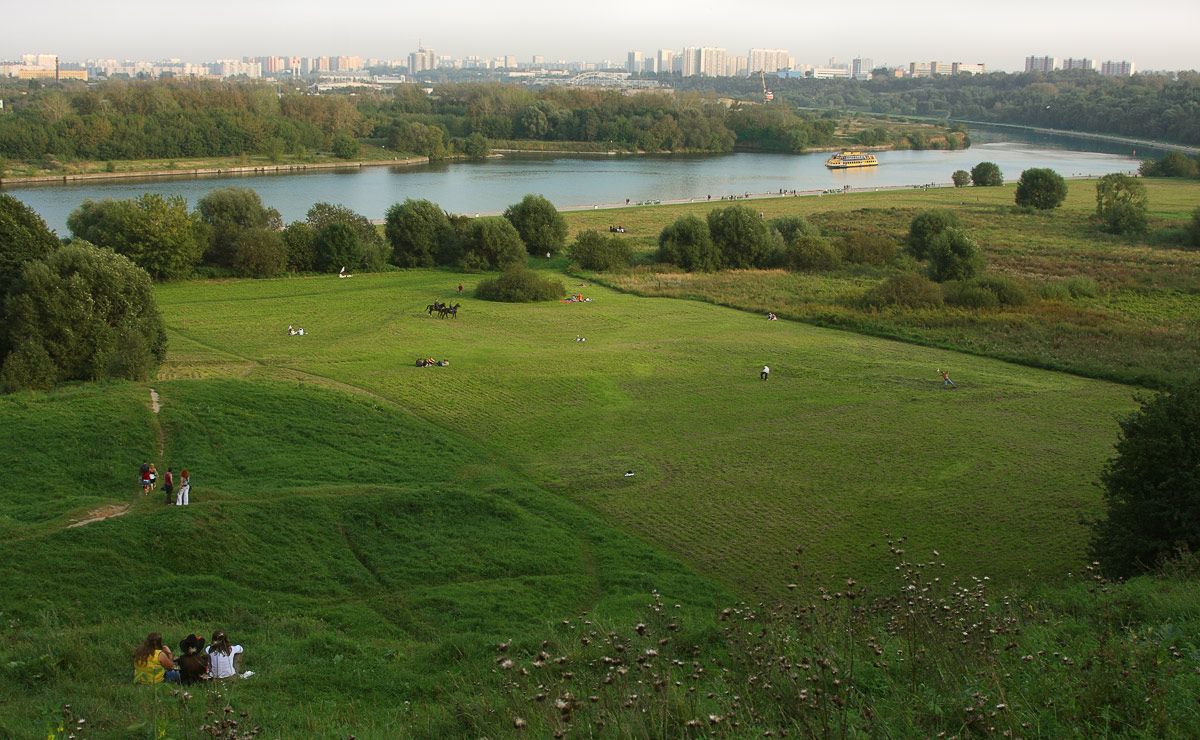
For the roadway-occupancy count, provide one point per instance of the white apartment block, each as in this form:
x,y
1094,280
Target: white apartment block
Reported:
x,y
1117,69
667,60
1041,64
703,61
1085,63
919,69
860,68
768,60
737,66
941,68
422,60
970,69
634,62
236,68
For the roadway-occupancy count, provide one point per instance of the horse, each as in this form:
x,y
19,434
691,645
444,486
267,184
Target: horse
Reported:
x,y
435,306
451,311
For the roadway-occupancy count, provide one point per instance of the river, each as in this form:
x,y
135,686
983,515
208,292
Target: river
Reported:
x,y
580,181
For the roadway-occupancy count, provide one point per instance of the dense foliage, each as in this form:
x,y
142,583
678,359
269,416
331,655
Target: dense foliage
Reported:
x,y
519,284
908,290
158,234
415,230
83,313
686,242
490,244
541,226
23,237
740,235
1121,204
230,214
986,174
954,255
925,226
594,251
1152,485
1041,188
1173,164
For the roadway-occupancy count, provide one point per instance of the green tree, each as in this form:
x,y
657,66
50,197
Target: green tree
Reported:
x,y
414,228
811,254
1193,228
687,243
229,213
83,313
1041,188
793,226
541,226
374,251
954,255
1121,205
1174,164
345,146
300,243
338,246
476,146
23,237
925,226
1152,485
594,251
986,174
519,284
740,235
961,178
157,233
491,244
260,253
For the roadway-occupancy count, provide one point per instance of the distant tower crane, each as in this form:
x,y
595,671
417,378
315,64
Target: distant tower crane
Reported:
x,y
768,96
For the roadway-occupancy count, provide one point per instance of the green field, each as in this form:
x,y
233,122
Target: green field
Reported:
x,y
370,529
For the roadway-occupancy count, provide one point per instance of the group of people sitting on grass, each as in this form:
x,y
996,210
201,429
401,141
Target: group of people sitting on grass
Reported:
x,y
616,229
294,332
430,362
153,662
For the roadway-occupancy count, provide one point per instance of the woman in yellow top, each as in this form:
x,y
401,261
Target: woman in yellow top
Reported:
x,y
152,662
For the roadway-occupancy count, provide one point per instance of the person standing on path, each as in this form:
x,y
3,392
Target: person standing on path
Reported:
x,y
766,372
946,381
185,487
144,475
169,485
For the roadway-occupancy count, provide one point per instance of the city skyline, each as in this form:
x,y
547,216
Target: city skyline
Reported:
x,y
891,33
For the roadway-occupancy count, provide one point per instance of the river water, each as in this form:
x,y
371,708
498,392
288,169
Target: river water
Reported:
x,y
582,181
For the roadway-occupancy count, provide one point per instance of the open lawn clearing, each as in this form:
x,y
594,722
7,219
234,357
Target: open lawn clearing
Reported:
x,y
851,437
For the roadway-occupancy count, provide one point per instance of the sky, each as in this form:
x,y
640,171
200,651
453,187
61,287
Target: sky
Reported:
x,y
1000,35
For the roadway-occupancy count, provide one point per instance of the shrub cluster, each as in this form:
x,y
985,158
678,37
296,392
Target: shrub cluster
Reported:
x,y
861,248
593,251
519,284
909,290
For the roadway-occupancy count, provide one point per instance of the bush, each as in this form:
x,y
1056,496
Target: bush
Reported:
x,y
23,237
157,234
414,229
954,255
969,295
1054,291
1121,205
596,252
811,254
961,178
740,236
345,146
1193,229
491,244
1174,164
1008,292
338,246
1151,486
688,244
519,284
300,244
792,227
1082,286
909,290
986,174
373,250
1041,188
260,253
539,224
229,213
90,311
925,226
868,249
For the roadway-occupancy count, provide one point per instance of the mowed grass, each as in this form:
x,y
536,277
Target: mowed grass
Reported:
x,y
850,438
357,552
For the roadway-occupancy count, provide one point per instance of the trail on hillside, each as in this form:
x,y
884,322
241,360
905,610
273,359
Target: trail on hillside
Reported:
x,y
162,437
96,515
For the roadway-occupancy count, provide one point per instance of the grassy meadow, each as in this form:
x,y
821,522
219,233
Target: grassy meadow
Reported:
x,y
457,552
1141,324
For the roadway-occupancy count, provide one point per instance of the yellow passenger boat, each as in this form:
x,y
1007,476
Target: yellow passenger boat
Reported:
x,y
845,160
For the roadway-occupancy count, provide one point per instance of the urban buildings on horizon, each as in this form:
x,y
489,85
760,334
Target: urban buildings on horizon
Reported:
x,y
701,61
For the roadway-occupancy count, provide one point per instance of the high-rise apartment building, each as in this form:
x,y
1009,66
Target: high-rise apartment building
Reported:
x,y
422,60
1117,69
703,61
1041,64
860,68
737,66
1088,64
941,68
970,69
768,60
666,60
919,69
634,62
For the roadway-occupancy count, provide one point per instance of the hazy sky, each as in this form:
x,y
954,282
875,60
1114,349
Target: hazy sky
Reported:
x,y
1154,34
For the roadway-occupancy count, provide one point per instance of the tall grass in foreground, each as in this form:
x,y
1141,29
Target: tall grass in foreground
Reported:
x,y
917,655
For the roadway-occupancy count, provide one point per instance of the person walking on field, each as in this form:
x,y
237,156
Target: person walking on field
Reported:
x,y
460,288
766,372
169,485
946,381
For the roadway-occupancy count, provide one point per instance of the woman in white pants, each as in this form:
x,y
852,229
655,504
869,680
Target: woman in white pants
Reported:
x,y
185,487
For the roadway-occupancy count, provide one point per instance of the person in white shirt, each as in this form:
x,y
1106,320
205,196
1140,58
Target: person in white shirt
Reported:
x,y
766,371
224,660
